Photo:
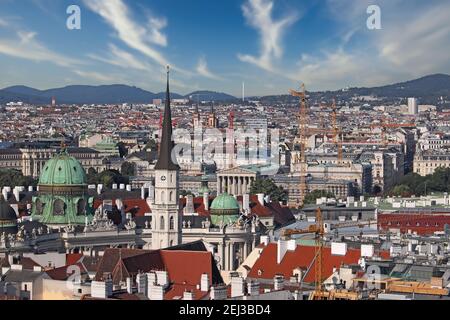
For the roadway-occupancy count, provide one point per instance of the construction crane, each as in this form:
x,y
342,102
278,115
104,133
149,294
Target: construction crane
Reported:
x,y
301,160
318,230
336,133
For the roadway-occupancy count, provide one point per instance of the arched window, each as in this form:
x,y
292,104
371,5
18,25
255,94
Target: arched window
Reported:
x,y
81,207
162,223
171,196
59,207
172,223
39,207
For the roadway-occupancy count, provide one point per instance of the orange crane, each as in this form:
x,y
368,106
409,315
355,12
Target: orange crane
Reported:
x,y
301,160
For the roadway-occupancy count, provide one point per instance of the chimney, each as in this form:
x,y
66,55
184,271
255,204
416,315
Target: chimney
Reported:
x,y
151,279
278,282
162,278
204,283
129,187
237,287
141,280
114,186
122,186
261,198
129,286
155,293
246,203
253,288
282,248
206,201
102,289
265,240
16,193
219,293
5,194
188,295
119,204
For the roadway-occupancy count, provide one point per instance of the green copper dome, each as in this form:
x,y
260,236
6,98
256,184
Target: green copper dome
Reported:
x,y
62,170
63,193
224,210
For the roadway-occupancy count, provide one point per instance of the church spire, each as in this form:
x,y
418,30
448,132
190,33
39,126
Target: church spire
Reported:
x,y
165,161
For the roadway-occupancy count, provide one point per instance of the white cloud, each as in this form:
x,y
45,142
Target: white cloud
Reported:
x,y
155,27
202,69
338,69
117,15
3,23
414,41
419,44
259,15
123,59
95,76
25,46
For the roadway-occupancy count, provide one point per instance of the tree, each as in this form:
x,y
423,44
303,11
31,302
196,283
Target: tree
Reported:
x,y
13,178
311,198
128,169
439,181
123,151
151,145
401,191
269,188
107,178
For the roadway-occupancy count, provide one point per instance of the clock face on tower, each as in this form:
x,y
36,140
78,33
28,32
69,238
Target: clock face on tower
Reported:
x,y
163,178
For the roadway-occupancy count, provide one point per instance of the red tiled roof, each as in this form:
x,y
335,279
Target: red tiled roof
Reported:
x,y
423,224
187,267
300,258
137,207
73,258
177,291
64,273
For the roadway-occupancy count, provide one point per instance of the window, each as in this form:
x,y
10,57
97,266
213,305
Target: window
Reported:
x,y
171,196
172,223
39,208
81,207
162,223
59,207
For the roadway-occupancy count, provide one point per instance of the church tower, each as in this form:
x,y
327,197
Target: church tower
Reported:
x,y
166,214
196,120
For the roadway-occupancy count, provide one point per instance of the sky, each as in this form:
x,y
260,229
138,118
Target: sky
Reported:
x,y
270,45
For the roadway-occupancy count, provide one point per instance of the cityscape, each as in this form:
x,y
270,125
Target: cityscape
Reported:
x,y
129,171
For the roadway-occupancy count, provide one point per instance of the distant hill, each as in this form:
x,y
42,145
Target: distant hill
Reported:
x,y
209,96
428,89
435,85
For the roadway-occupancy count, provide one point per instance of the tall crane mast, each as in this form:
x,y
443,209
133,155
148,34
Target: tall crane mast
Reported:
x,y
336,134
301,160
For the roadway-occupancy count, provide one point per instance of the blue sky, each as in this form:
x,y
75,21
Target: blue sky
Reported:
x,y
271,45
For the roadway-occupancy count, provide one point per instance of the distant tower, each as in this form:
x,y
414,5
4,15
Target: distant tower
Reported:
x,y
166,216
413,106
213,122
230,144
53,102
196,121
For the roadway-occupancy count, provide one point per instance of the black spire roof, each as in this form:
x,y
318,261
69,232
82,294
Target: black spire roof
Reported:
x,y
165,161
